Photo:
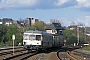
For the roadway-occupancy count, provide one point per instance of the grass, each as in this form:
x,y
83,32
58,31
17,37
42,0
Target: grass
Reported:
x,y
87,48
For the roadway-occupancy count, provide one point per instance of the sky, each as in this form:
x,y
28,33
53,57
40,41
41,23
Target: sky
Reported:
x,y
66,11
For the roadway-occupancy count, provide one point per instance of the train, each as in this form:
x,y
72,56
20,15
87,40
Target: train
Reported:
x,y
39,40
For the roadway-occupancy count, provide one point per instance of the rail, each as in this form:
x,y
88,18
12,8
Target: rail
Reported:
x,y
21,56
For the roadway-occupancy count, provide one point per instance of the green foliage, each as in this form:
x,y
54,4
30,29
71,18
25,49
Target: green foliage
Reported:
x,y
28,28
6,33
87,48
39,25
3,30
2,44
70,36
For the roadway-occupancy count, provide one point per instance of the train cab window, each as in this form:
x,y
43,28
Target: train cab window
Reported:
x,y
38,37
53,31
61,32
26,36
32,37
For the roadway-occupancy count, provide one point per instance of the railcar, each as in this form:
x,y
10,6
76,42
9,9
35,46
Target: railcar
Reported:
x,y
36,40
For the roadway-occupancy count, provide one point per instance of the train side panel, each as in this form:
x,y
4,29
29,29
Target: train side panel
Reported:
x,y
47,41
58,41
61,40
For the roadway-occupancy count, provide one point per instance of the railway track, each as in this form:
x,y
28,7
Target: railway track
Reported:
x,y
65,53
80,55
71,54
27,55
22,56
61,54
19,54
8,52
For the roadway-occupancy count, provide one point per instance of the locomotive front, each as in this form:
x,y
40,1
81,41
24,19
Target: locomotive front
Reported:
x,y
32,40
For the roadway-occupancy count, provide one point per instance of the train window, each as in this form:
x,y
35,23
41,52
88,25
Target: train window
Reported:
x,y
32,37
53,31
38,37
61,32
26,36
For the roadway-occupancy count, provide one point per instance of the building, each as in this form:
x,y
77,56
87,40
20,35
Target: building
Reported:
x,y
30,21
7,21
55,28
33,21
0,21
88,33
21,23
71,27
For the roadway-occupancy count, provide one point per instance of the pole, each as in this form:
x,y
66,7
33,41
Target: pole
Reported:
x,y
85,34
13,47
13,38
78,35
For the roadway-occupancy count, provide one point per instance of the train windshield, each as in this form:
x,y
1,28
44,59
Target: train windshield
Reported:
x,y
32,37
26,36
38,37
35,37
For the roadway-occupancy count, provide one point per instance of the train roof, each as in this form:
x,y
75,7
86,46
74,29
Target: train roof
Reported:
x,y
37,32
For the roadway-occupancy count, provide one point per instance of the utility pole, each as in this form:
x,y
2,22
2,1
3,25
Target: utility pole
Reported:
x,y
85,33
78,35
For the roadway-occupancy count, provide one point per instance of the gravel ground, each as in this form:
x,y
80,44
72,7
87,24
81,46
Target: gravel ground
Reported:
x,y
44,56
84,51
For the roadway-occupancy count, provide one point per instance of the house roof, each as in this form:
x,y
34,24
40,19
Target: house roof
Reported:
x,y
72,26
56,26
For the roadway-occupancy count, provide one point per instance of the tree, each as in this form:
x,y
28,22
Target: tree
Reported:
x,y
39,25
13,29
28,28
3,30
70,36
